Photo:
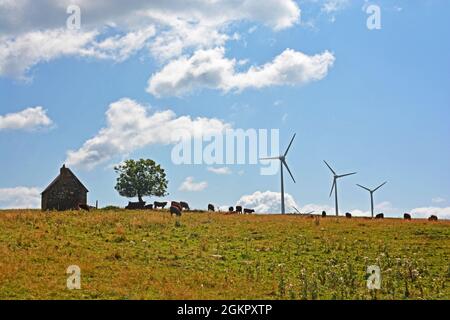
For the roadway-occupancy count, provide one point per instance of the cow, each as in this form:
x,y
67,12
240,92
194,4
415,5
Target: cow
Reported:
x,y
161,205
210,207
230,209
175,210
248,211
135,205
149,206
239,209
348,215
407,216
184,205
433,218
324,214
83,207
379,216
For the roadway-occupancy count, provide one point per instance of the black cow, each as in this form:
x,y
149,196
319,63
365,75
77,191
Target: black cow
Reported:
x,y
184,205
407,216
324,214
161,205
248,211
175,210
210,207
83,207
433,218
135,205
239,209
149,206
230,209
348,215
379,216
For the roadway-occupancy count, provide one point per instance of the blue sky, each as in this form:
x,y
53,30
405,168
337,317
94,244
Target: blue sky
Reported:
x,y
381,107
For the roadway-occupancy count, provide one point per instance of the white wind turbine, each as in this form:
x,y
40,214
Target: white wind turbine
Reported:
x,y
371,193
283,162
335,177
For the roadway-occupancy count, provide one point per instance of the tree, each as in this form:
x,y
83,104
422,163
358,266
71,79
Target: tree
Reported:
x,y
141,178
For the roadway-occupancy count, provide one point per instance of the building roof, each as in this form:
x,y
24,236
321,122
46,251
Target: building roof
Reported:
x,y
59,177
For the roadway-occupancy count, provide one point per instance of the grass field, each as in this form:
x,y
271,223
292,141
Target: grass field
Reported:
x,y
151,255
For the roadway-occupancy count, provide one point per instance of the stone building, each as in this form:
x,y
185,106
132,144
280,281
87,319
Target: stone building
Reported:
x,y
66,192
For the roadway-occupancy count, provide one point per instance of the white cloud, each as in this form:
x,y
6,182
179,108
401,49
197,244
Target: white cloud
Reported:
x,y
221,170
20,198
211,69
129,127
425,212
34,31
267,202
438,200
28,119
189,185
332,6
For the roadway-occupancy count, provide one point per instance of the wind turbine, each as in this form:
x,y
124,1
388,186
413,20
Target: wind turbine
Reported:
x,y
371,193
283,162
302,213
335,177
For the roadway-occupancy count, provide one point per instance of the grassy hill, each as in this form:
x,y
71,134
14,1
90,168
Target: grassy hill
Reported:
x,y
151,255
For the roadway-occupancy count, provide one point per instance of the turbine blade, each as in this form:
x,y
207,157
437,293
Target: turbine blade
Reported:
x,y
364,187
309,212
289,146
379,186
296,209
345,175
329,167
332,187
285,164
271,158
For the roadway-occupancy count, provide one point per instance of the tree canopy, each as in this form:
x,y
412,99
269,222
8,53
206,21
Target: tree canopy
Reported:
x,y
141,178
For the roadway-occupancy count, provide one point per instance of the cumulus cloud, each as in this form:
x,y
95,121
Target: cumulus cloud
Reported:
x,y
221,170
129,127
34,31
267,202
210,69
190,185
425,212
28,119
20,198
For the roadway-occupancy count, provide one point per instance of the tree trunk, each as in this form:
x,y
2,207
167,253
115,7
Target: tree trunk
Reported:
x,y
140,198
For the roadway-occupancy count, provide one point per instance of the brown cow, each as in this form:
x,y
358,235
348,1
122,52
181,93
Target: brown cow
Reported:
x,y
407,216
433,218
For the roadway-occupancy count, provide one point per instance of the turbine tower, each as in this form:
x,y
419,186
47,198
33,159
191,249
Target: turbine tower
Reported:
x,y
371,193
283,162
334,186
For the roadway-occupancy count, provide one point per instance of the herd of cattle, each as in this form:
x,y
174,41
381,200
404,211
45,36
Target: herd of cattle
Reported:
x,y
178,207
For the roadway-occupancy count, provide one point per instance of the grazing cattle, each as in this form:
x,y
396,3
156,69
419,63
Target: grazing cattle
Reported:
x,y
184,205
239,209
407,216
324,214
175,210
149,206
135,205
348,215
379,216
161,205
210,207
248,211
230,209
83,207
433,218
176,205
